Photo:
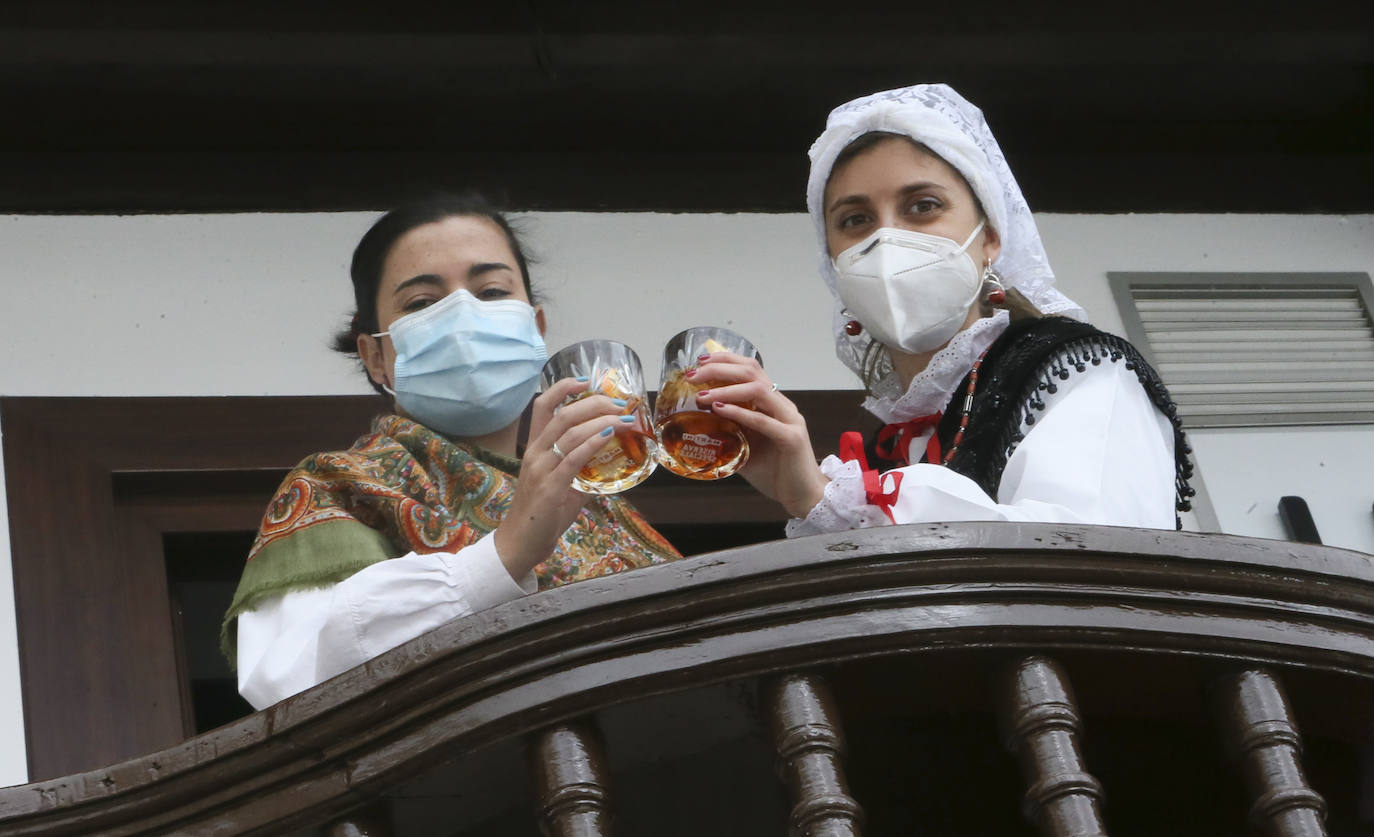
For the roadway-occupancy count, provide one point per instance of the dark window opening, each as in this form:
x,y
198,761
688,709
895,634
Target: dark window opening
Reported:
x,y
202,573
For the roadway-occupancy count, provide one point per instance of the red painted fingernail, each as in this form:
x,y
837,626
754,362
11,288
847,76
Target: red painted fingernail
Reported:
x,y
718,404
703,393
690,372
703,358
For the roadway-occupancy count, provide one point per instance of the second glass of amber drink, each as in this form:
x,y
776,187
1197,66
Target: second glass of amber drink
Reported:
x,y
611,369
693,441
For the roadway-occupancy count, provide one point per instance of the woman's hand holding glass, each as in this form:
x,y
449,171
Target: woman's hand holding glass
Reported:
x,y
782,464
563,439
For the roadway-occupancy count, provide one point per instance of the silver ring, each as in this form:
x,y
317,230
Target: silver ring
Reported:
x,y
556,452
774,389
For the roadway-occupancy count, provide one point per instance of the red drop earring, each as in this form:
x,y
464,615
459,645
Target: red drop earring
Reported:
x,y
998,294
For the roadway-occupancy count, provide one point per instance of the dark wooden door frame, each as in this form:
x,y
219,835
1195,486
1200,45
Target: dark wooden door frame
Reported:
x,y
97,662
93,485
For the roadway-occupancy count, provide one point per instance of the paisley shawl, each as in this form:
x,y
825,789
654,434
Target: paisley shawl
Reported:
x,y
404,488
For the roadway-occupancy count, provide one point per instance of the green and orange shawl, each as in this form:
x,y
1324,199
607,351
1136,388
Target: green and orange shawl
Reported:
x,y
405,488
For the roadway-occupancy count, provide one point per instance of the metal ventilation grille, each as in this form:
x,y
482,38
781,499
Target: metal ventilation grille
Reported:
x,y
1260,353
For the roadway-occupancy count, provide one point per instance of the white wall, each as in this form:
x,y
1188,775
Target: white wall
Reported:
x,y
1248,470
243,305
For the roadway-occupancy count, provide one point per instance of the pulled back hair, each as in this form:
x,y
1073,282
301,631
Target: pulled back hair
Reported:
x,y
370,255
865,141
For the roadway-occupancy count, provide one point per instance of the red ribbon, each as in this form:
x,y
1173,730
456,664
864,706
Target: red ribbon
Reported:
x,y
852,450
933,453
894,440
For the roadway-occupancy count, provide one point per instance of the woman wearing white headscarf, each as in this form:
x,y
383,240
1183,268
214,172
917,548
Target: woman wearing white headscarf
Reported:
x,y
1030,415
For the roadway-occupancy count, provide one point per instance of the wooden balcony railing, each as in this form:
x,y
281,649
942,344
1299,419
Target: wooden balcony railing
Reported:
x,y
942,679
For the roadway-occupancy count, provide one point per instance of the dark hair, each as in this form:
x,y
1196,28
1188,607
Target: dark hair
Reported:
x,y
863,142
370,255
866,141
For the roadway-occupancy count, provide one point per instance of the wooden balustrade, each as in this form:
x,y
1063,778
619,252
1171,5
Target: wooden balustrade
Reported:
x,y
1042,727
1139,619
810,744
568,763
1259,731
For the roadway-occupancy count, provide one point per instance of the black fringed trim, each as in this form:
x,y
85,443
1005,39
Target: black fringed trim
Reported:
x,y
1026,363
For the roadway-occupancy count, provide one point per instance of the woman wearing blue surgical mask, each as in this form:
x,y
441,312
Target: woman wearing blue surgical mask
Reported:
x,y
999,403
434,514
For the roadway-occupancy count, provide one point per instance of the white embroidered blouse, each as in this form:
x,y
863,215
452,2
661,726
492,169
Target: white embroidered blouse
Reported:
x,y
1101,452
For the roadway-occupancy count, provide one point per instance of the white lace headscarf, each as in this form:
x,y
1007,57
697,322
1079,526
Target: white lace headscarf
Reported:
x,y
951,127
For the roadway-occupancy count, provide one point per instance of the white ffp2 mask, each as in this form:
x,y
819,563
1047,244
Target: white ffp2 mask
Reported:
x,y
911,291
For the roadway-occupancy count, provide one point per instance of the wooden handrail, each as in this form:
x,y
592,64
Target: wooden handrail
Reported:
x,y
772,608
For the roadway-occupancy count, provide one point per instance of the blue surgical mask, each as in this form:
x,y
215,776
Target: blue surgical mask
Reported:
x,y
464,366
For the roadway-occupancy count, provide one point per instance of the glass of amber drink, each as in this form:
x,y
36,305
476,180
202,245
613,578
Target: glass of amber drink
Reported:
x,y
611,369
694,442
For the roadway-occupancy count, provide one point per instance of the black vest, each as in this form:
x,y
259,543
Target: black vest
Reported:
x,y
1025,363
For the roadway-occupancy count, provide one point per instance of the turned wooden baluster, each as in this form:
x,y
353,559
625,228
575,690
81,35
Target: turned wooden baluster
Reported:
x,y
569,765
1258,728
1041,726
806,731
372,821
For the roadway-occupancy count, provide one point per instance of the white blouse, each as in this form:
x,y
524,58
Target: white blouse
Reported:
x,y
1100,452
294,641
